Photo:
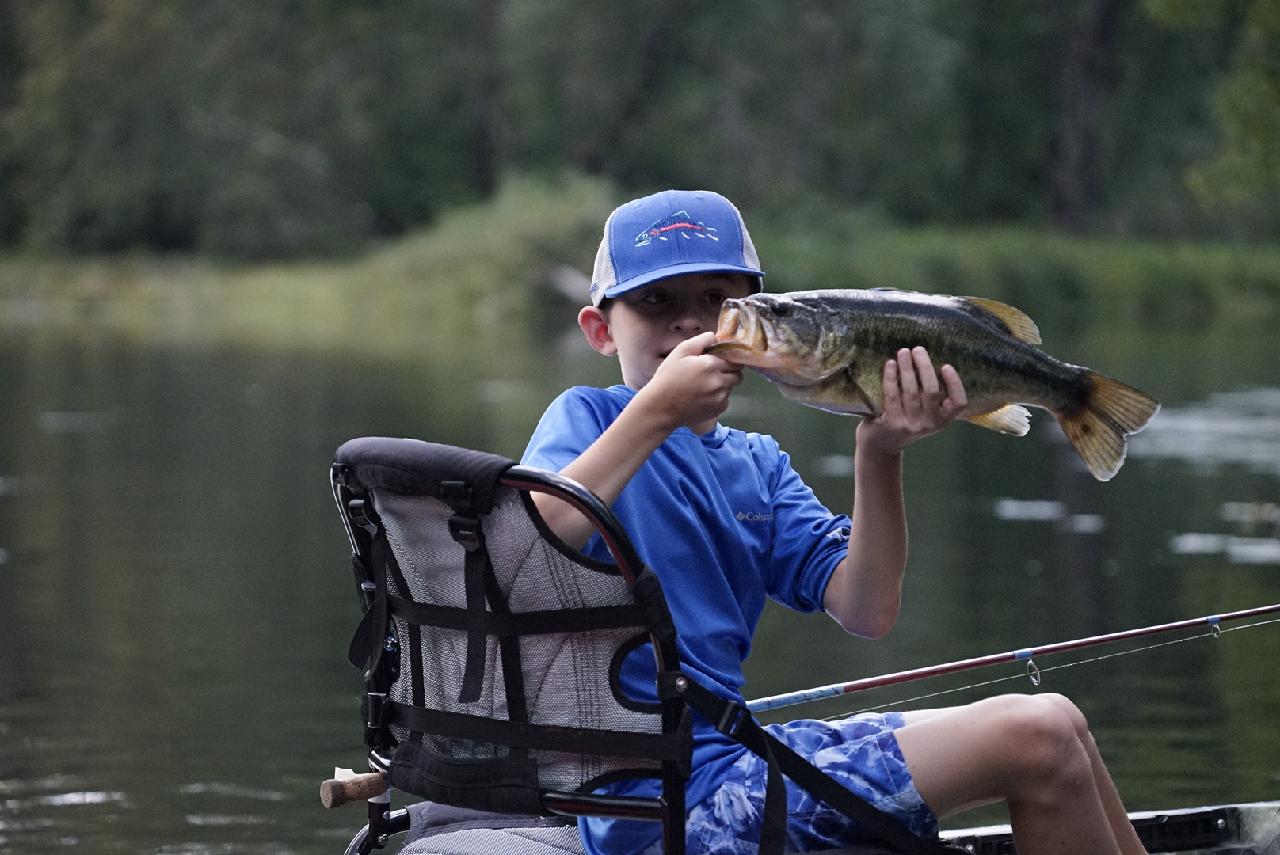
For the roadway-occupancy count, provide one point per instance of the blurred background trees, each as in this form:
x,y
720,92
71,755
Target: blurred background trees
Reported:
x,y
292,127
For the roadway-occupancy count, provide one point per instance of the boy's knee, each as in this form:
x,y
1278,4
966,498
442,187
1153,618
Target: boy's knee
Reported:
x,y
1045,735
1072,712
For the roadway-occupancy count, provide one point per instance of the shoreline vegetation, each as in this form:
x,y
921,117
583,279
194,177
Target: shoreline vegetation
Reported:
x,y
482,266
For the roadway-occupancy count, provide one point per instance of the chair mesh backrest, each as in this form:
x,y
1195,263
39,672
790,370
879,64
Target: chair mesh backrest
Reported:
x,y
566,675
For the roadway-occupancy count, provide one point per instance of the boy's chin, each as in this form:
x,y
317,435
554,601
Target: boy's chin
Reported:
x,y
638,379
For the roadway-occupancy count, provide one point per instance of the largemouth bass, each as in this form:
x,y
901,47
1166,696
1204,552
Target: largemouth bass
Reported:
x,y
828,349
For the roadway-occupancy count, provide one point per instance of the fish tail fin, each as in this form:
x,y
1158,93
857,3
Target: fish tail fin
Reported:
x,y
1097,430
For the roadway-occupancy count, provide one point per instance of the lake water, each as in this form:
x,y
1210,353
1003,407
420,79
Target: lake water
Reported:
x,y
175,596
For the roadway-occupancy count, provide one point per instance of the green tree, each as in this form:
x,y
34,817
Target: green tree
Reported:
x,y
1243,173
850,102
270,129
288,127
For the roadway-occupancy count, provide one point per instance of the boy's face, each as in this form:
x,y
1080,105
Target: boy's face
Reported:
x,y
644,325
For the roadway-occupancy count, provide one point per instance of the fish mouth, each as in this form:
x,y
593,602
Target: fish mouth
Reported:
x,y
750,335
741,336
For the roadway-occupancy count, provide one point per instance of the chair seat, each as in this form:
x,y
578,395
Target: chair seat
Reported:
x,y
551,839
562,840
439,829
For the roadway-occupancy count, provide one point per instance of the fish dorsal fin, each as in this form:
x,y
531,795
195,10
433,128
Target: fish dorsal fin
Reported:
x,y
1010,418
1022,327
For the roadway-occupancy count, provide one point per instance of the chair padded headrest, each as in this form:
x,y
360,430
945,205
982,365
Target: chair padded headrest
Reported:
x,y
415,467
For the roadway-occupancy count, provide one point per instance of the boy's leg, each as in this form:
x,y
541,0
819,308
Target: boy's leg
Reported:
x,y
1036,753
1117,816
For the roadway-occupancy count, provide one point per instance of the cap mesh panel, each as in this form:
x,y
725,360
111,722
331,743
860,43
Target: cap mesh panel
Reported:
x,y
603,274
749,256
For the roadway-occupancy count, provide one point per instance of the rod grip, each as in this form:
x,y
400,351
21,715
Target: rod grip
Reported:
x,y
338,791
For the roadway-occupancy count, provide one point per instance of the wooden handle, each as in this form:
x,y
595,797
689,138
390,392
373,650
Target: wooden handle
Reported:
x,y
335,792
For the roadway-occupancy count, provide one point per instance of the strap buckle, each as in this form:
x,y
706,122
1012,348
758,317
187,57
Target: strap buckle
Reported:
x,y
732,717
375,717
466,531
457,494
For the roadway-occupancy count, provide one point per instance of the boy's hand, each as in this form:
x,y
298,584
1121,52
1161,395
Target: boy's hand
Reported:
x,y
918,401
691,388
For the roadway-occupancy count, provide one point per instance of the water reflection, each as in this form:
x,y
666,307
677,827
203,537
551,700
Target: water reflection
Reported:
x,y
1227,428
53,422
1047,510
177,597
1237,550
1252,516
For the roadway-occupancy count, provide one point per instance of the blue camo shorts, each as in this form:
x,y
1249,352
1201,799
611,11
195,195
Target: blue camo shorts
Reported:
x,y
861,752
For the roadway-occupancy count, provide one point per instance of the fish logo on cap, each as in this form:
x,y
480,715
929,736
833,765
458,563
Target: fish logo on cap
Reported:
x,y
678,223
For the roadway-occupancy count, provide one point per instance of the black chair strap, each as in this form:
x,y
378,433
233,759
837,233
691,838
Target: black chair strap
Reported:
x,y
543,622
512,664
464,526
542,737
366,645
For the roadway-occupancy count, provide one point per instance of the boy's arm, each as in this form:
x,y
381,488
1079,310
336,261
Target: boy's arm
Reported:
x,y
865,590
690,388
604,469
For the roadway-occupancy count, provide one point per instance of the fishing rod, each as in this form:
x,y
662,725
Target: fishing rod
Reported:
x,y
1024,654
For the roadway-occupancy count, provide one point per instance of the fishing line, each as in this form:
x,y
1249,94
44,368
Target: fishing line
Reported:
x,y
1216,632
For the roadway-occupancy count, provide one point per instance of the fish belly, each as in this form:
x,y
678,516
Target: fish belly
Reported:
x,y
839,393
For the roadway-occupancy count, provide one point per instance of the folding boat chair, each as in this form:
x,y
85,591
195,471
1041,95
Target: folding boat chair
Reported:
x,y
490,654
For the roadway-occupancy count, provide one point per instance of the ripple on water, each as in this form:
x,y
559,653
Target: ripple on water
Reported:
x,y
221,788
1046,510
1240,428
221,820
1237,550
71,799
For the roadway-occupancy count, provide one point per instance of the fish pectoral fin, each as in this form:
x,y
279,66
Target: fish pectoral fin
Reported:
x,y
1011,418
1016,320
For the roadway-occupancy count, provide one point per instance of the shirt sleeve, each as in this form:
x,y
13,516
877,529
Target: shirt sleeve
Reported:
x,y
808,542
566,429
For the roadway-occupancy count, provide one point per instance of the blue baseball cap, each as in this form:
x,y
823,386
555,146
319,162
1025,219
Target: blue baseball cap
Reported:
x,y
667,234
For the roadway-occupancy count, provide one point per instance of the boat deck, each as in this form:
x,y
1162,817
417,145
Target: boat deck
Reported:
x,y
1247,829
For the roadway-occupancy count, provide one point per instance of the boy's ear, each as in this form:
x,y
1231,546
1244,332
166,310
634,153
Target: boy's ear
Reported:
x,y
595,326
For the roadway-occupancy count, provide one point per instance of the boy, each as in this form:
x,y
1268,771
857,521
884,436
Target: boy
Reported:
x,y
724,521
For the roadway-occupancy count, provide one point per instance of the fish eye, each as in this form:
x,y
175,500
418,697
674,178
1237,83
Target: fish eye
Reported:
x,y
782,310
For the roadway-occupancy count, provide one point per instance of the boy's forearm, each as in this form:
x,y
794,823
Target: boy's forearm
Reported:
x,y
866,589
605,468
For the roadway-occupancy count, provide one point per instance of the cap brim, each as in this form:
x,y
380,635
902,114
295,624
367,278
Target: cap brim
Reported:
x,y
678,270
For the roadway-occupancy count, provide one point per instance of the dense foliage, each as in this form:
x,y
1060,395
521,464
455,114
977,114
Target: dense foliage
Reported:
x,y
289,127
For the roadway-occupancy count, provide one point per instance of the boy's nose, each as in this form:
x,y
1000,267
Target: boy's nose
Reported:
x,y
687,320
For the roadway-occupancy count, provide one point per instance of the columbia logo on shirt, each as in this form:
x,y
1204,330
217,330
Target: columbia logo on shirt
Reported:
x,y
752,516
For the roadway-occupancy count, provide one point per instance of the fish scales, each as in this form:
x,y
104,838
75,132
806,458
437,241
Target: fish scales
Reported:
x,y
828,349
991,361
